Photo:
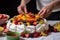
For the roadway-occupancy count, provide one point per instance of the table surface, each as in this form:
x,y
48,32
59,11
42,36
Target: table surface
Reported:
x,y
52,36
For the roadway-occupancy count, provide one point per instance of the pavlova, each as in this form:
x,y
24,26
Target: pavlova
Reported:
x,y
28,25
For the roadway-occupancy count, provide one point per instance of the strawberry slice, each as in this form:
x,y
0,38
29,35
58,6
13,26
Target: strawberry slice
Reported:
x,y
36,35
15,22
27,35
4,26
55,30
6,30
47,32
35,23
40,34
22,34
4,16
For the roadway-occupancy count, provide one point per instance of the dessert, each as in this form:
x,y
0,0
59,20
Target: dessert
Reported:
x,y
3,18
28,24
57,27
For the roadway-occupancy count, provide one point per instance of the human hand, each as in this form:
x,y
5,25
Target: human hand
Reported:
x,y
22,9
45,11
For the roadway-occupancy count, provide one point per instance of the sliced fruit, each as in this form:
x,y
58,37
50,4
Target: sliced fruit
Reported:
x,y
47,31
34,23
33,16
36,34
4,26
37,16
4,16
23,18
57,26
41,22
55,30
43,34
19,23
6,30
40,34
15,22
22,34
28,23
1,28
30,13
27,35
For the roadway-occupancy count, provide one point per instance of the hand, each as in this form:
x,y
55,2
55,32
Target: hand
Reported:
x,y
45,11
22,9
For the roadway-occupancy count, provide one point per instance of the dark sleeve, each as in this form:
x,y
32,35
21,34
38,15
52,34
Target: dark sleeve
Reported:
x,y
9,7
31,6
54,16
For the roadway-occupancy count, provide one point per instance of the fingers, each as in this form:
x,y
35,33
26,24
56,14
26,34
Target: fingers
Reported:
x,y
22,9
42,12
19,10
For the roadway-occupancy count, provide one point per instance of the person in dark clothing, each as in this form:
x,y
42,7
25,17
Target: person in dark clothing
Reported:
x,y
9,7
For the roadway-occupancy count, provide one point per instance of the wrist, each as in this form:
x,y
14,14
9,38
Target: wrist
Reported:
x,y
23,2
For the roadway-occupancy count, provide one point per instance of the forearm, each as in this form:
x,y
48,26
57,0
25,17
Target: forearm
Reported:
x,y
24,1
55,4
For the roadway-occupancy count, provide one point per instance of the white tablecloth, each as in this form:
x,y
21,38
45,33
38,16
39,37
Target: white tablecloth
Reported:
x,y
52,36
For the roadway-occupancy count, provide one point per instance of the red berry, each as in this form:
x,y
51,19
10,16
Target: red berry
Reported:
x,y
6,30
30,13
35,23
16,19
47,31
55,30
36,35
40,34
22,34
19,23
33,16
27,35
15,22
4,16
4,26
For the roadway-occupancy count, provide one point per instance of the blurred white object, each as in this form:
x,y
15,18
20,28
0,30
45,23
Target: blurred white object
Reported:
x,y
30,29
53,36
42,27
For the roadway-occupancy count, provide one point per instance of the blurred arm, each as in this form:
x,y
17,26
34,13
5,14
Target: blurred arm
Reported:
x,y
24,1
